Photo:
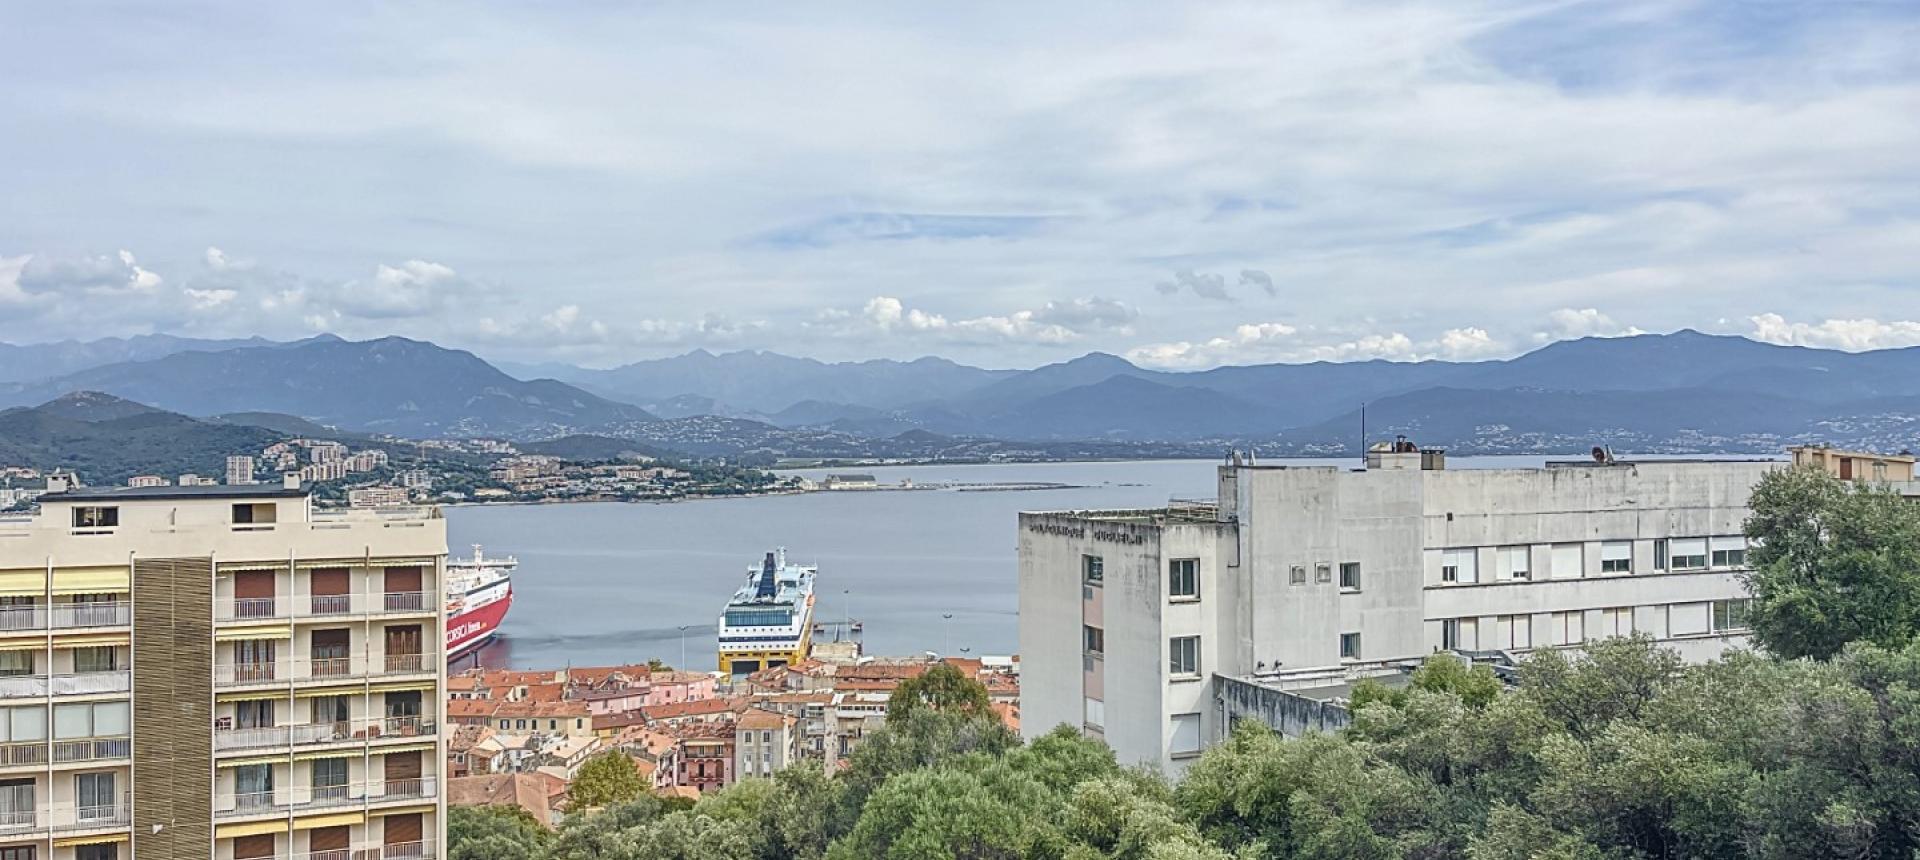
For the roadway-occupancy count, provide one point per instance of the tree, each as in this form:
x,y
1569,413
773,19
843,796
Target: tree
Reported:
x,y
604,780
495,833
1833,562
941,688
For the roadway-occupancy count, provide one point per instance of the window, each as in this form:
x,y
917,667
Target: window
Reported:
x,y
95,720
1096,713
1688,553
23,724
1660,552
1688,619
1616,556
96,517
253,786
1183,579
1569,561
96,658
329,778
95,796
1093,639
1297,575
1349,646
1516,562
1615,621
1459,565
1569,628
1183,656
1186,735
16,663
1732,614
1519,631
329,710
1729,551
253,714
16,802
1093,569
97,851
1323,572
1350,576
1460,634
247,513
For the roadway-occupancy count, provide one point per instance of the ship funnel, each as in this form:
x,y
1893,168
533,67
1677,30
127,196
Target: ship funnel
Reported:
x,y
766,588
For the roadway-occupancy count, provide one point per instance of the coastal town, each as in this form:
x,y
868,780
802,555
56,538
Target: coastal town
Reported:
x,y
519,737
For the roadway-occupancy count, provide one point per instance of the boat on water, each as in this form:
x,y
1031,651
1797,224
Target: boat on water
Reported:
x,y
769,621
479,592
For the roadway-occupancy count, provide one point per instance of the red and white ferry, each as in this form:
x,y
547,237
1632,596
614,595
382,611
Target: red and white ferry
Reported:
x,y
479,592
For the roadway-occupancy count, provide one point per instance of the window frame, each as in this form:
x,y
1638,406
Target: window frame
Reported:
x,y
1351,584
1093,569
1350,646
1191,574
1176,646
1091,636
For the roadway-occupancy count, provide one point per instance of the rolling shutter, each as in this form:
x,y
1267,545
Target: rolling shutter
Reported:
x,y
401,829
329,581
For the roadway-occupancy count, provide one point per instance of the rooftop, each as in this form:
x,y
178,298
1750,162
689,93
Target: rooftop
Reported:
x,y
193,491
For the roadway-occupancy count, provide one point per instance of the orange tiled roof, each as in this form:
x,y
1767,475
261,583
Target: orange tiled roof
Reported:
x,y
694,708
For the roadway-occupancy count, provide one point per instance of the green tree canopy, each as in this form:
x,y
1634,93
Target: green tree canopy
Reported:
x,y
606,779
1833,562
942,688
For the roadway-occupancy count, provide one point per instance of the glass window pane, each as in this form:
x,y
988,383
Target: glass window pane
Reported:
x,y
28,724
72,721
111,719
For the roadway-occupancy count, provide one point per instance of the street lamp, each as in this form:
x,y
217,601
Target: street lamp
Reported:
x,y
683,646
947,646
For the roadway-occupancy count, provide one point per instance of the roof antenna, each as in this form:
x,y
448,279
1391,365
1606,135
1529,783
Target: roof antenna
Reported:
x,y
1363,433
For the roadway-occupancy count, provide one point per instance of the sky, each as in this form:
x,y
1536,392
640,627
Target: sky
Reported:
x,y
1004,184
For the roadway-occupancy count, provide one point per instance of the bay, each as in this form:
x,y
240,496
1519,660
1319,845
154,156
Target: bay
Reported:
x,y
601,583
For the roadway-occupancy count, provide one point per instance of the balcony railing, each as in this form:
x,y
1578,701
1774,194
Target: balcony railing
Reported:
x,y
74,684
284,671
306,734
65,616
92,749
304,606
398,851
68,817
27,753
303,797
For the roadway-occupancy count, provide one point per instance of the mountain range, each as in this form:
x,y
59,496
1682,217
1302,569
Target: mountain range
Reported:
x,y
1684,391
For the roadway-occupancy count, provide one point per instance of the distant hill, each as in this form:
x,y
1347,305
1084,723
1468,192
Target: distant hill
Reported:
x,y
587,446
391,385
766,382
121,439
30,362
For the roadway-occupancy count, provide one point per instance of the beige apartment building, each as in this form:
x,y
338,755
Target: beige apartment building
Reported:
x,y
220,671
1855,465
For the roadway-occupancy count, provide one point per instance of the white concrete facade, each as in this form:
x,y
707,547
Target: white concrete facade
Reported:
x,y
1307,575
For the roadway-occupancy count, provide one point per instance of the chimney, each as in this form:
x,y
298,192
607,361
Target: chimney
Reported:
x,y
290,480
56,483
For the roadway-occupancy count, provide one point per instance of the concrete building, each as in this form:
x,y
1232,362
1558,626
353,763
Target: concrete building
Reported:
x,y
1135,625
219,671
1855,465
766,741
240,469
378,497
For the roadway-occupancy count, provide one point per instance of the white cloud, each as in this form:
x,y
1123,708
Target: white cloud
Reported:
x,y
411,289
207,299
1571,323
1265,343
219,261
1056,322
1853,335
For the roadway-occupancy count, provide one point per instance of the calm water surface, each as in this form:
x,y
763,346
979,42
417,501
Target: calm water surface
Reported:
x,y
613,582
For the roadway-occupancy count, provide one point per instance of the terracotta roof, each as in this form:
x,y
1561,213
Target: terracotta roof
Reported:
x,y
608,722
660,678
1009,713
462,683
528,791
595,676
546,692
540,710
717,730
756,718
465,737
694,708
469,708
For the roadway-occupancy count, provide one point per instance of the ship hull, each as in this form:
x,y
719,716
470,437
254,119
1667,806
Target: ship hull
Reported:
x,y
469,630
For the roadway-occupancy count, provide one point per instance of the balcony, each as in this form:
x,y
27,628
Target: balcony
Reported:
x,y
299,798
400,851
28,754
309,734
61,817
77,684
65,616
314,606
407,664
92,749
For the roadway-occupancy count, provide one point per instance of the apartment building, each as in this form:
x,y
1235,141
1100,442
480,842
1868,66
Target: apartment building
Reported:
x,y
1134,622
220,671
1855,465
240,470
